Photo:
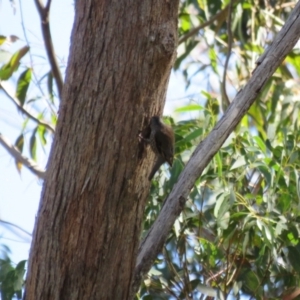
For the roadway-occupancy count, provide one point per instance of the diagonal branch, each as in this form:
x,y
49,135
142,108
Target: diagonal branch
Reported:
x,y
31,58
17,155
174,204
44,16
24,110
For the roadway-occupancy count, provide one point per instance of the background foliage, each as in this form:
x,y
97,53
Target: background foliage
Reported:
x,y
238,236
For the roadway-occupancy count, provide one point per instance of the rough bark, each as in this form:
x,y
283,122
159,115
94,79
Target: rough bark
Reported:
x,y
88,226
174,204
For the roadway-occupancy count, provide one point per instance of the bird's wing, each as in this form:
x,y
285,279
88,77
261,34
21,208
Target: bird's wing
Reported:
x,y
165,145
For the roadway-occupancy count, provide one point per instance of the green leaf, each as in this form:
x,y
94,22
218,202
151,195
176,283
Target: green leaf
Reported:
x,y
280,227
236,287
240,162
223,221
219,163
7,70
259,224
260,143
190,107
267,230
33,144
21,265
20,145
185,22
271,132
19,275
220,200
250,281
222,208
22,85
41,132
50,86
195,134
20,142
213,59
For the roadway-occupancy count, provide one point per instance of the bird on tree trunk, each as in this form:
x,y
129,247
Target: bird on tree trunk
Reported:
x,y
162,142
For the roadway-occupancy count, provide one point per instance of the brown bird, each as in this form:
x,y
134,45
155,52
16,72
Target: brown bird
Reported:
x,y
162,142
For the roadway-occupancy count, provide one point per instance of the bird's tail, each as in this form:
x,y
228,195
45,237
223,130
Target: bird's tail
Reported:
x,y
156,166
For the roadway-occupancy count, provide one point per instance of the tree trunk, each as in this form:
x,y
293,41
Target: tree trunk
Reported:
x,y
89,221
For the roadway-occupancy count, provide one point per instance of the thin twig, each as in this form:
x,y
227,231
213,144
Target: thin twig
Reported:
x,y
179,283
226,101
48,5
31,58
24,110
203,25
40,7
17,155
219,273
14,225
44,16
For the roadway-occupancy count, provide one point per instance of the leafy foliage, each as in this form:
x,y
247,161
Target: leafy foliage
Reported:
x,y
238,234
239,231
17,80
11,277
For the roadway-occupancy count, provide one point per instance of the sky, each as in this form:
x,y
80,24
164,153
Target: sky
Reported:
x,y
20,193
